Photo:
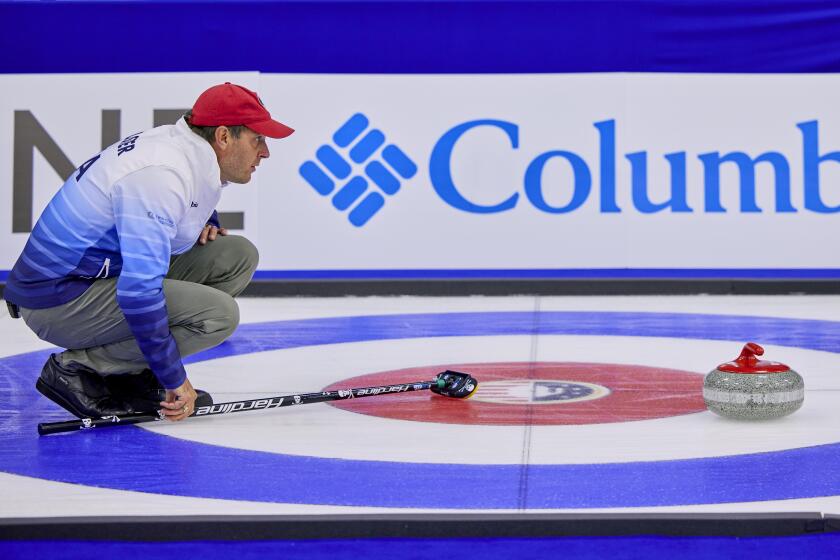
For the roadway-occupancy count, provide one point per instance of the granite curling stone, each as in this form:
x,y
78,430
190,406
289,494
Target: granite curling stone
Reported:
x,y
752,389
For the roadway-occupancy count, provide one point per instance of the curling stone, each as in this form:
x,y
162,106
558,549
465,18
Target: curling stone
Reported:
x,y
752,389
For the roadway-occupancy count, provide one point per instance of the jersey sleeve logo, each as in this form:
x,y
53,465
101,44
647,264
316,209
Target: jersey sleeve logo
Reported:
x,y
163,220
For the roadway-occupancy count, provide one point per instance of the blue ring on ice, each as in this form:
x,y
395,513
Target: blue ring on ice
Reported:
x,y
135,459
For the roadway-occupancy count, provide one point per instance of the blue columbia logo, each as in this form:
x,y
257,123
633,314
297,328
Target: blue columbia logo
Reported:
x,y
353,184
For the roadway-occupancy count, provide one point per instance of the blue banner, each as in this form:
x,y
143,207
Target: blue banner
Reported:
x,y
743,36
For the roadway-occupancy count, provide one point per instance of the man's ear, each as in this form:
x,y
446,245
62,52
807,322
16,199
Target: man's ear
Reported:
x,y
222,136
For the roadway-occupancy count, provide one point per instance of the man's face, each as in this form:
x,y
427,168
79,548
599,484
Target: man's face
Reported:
x,y
239,157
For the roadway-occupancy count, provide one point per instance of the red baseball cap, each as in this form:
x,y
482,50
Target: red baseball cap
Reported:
x,y
230,105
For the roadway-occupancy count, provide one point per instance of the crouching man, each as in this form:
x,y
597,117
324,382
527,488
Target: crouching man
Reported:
x,y
128,267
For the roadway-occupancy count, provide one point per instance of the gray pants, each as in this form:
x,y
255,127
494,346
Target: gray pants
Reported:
x,y
199,290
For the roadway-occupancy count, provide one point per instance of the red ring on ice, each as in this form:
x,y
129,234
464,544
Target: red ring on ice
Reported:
x,y
596,394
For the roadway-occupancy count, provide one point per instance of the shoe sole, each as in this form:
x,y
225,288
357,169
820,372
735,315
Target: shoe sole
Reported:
x,y
56,397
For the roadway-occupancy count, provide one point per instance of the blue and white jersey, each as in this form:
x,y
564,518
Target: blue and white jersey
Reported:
x,y
124,213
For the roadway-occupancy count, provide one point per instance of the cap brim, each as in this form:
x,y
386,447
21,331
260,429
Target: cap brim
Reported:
x,y
271,128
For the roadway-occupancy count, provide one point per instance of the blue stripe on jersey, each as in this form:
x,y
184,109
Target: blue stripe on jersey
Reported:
x,y
54,252
129,310
66,249
146,227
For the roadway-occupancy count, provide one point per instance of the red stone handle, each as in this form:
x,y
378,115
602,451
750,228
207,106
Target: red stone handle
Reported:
x,y
749,353
748,362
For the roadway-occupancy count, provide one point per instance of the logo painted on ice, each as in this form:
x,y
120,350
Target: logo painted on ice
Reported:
x,y
358,185
538,391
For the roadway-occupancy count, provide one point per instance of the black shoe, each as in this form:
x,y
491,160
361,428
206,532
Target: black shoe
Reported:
x,y
79,390
144,392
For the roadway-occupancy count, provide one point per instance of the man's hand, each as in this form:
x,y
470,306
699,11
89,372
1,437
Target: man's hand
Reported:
x,y
209,233
180,402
